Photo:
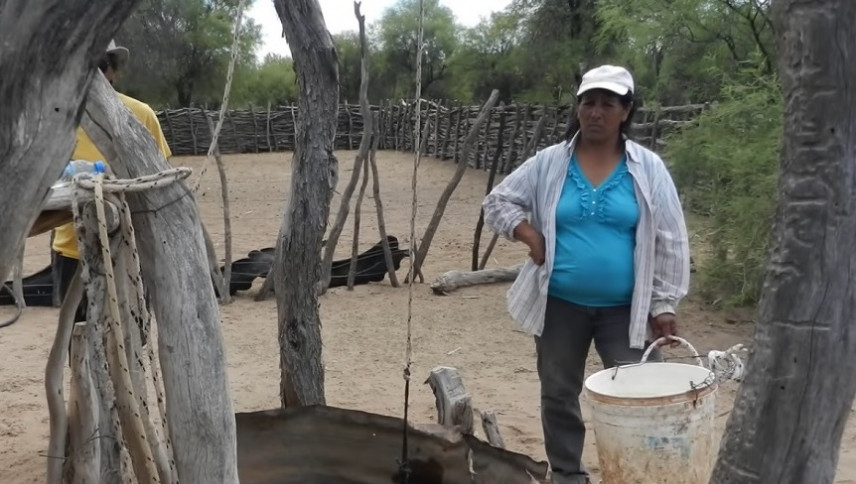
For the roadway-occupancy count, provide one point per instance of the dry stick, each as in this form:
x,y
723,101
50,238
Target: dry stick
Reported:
x,y
17,288
530,147
488,250
267,290
54,379
381,225
490,179
225,297
213,268
418,270
355,247
453,183
359,161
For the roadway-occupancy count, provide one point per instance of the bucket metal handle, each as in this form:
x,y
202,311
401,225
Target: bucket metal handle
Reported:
x,y
680,340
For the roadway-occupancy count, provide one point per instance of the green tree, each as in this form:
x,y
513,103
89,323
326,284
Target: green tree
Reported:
x,y
726,166
180,50
396,36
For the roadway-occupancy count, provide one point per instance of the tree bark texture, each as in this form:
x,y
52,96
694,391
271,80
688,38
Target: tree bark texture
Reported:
x,y
49,48
175,270
314,177
790,412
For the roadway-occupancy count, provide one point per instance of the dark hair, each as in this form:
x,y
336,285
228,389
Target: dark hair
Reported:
x,y
625,100
109,60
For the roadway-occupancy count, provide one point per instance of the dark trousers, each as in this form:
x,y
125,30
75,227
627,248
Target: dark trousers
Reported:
x,y
65,267
562,350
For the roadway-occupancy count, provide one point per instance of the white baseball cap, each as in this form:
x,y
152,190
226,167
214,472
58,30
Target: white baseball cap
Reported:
x,y
612,78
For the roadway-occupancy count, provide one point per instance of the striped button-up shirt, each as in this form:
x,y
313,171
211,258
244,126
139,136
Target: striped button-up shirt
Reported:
x,y
661,257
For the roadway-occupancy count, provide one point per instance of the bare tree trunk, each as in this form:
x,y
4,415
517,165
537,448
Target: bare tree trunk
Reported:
x,y
314,177
790,412
172,254
359,161
42,101
453,183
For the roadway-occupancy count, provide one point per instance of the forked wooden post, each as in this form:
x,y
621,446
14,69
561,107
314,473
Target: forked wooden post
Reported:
x,y
454,408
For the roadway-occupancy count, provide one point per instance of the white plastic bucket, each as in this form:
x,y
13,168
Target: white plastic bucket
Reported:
x,y
653,422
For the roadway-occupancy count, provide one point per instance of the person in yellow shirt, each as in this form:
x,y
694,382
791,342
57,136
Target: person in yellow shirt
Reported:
x,y
66,254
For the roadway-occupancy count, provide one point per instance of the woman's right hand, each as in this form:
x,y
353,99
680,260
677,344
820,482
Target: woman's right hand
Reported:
x,y
527,234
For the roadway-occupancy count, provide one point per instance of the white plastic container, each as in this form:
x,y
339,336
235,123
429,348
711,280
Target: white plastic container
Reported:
x,y
653,422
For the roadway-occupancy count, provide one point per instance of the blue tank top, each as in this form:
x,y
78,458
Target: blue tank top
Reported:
x,y
595,239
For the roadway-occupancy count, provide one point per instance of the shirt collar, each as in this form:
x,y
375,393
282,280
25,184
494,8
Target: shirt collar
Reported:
x,y
630,147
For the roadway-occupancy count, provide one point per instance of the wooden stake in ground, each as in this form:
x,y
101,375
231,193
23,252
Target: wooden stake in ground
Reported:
x,y
381,224
227,220
172,256
428,236
359,161
355,246
791,409
314,176
490,180
42,101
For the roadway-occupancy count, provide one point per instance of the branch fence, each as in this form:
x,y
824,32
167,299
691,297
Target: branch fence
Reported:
x,y
513,132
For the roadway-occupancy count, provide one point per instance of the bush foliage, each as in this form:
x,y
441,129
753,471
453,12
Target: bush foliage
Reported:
x,y
726,167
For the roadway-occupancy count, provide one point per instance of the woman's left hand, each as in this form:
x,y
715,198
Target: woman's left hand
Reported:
x,y
665,325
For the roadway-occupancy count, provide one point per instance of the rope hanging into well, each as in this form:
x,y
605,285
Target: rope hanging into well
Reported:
x,y
215,136
404,464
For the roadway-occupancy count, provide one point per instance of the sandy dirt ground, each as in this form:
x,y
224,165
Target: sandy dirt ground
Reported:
x,y
364,329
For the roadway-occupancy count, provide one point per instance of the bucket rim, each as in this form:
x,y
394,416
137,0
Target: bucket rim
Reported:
x,y
708,386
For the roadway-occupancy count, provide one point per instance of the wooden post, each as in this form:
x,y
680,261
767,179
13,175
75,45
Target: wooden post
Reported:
x,y
490,180
271,139
381,224
359,160
193,130
255,127
355,245
428,236
436,142
199,405
83,463
454,408
792,407
491,429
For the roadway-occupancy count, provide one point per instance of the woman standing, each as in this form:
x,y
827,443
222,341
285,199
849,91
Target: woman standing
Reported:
x,y
608,254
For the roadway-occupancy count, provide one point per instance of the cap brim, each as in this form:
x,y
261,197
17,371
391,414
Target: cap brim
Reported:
x,y
121,53
609,86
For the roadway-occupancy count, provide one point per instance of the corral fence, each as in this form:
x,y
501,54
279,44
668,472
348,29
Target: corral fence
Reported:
x,y
513,132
